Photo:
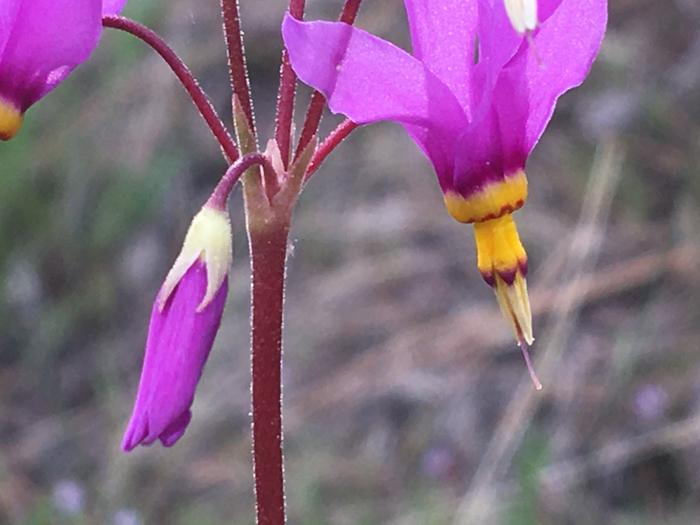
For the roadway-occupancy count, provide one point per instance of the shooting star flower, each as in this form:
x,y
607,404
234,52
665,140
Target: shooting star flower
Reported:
x,y
475,95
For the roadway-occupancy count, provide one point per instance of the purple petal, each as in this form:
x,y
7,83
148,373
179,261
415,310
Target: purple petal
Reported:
x,y
525,90
112,7
8,15
179,342
443,34
498,43
44,41
368,79
565,47
545,8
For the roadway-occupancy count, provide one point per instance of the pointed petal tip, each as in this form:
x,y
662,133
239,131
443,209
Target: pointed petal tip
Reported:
x,y
136,433
175,430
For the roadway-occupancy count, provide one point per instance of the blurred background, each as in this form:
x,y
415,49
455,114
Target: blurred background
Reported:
x,y
406,400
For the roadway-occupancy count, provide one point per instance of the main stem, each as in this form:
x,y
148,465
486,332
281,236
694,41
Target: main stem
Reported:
x,y
269,253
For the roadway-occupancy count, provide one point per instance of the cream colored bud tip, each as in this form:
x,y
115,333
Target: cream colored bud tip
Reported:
x,y
522,14
209,240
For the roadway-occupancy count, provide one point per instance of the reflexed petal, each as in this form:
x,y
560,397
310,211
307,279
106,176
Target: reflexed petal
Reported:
x,y
505,130
443,34
178,344
498,43
8,15
368,80
47,40
565,47
112,7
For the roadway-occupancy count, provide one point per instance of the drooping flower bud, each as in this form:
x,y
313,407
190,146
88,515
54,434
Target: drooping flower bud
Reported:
x,y
184,321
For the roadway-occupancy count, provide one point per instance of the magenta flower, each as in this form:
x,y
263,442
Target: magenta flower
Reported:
x,y
41,42
184,321
475,96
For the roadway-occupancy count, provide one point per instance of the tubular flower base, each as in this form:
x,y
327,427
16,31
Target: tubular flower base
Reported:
x,y
184,322
477,122
41,43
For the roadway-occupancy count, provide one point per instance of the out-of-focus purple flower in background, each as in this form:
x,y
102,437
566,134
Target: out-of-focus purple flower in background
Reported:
x,y
41,43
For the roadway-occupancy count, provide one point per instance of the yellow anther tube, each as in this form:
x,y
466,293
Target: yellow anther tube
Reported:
x,y
501,257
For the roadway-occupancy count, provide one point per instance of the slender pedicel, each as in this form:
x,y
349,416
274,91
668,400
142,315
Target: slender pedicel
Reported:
x,y
284,114
238,69
318,102
183,73
331,142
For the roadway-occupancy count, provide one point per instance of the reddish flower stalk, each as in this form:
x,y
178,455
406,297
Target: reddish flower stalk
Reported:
x,y
315,111
223,189
184,75
238,70
331,142
268,222
287,92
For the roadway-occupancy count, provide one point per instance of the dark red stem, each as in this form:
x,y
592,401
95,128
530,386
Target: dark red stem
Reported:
x,y
269,253
223,189
333,140
287,91
238,70
315,111
311,121
194,90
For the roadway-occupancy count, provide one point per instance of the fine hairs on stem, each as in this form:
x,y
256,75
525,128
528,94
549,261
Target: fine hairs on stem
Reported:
x,y
267,218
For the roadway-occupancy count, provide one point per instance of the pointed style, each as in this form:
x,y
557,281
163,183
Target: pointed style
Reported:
x,y
475,95
184,322
41,43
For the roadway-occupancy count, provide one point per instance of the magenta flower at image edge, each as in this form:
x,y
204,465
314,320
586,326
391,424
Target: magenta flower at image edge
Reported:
x,y
477,121
41,43
184,321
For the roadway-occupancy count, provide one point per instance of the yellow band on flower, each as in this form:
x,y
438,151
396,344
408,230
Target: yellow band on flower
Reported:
x,y
493,201
10,120
498,247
